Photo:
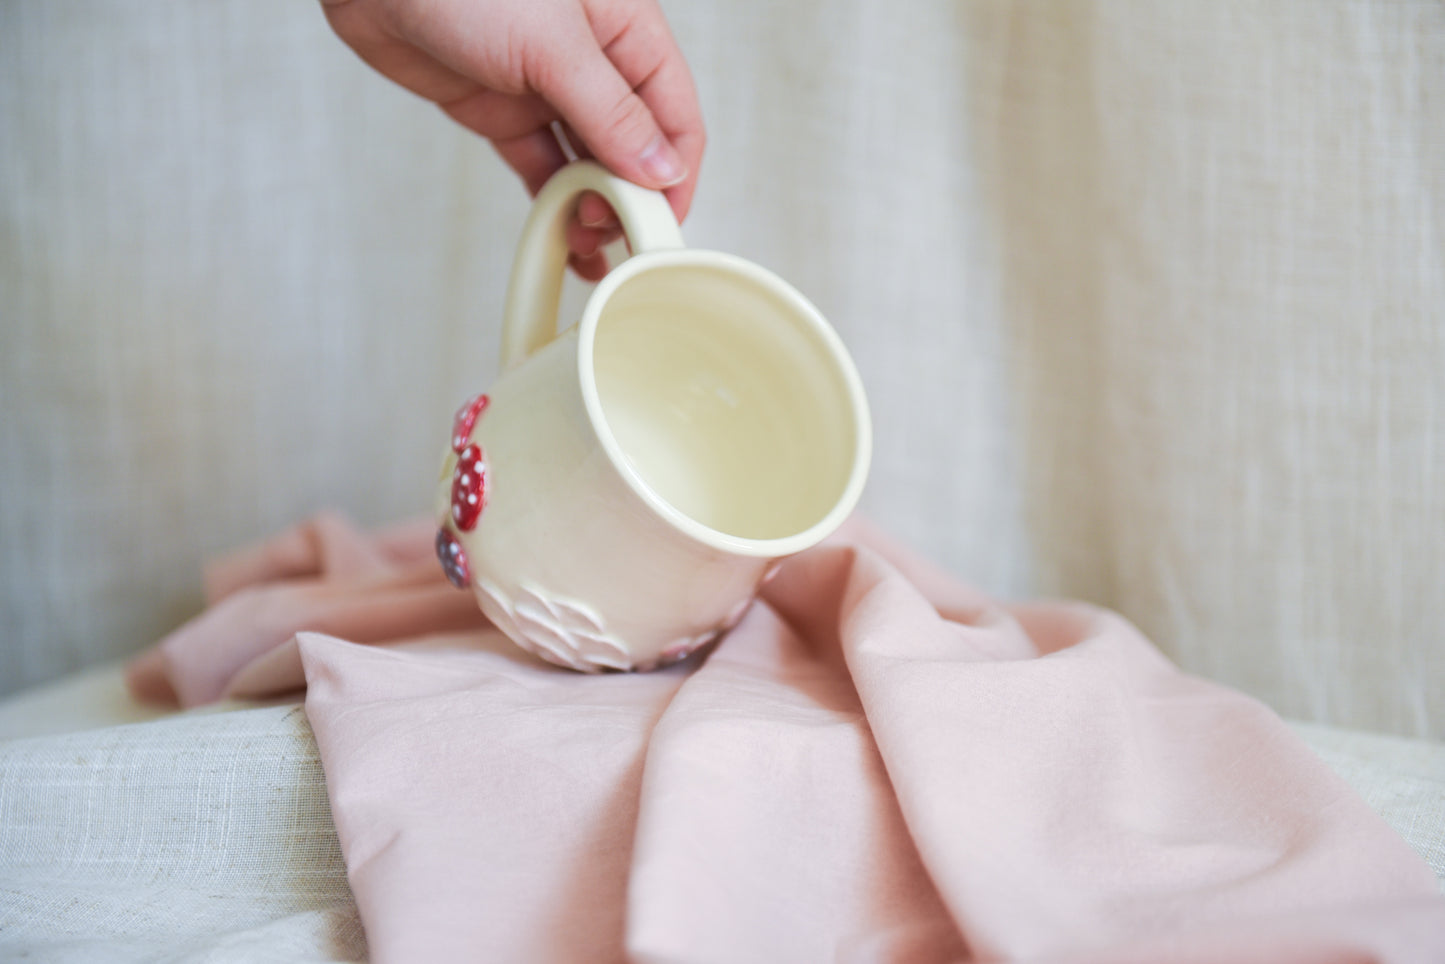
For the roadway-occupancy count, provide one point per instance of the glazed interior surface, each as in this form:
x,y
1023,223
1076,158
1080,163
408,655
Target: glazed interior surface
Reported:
x,y
724,400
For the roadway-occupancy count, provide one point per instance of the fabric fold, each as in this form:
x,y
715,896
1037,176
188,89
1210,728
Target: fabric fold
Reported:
x,y
323,575
486,804
878,764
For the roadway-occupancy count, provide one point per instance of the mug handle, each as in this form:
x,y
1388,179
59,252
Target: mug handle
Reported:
x,y
530,320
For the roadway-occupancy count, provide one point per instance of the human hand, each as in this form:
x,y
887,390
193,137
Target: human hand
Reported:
x,y
608,72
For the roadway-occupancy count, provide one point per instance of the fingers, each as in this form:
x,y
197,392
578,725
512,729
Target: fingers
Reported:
x,y
535,156
498,116
594,212
576,77
592,268
587,241
147,677
609,70
647,56
366,30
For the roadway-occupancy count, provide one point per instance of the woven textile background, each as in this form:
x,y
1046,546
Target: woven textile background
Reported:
x,y
194,839
1149,300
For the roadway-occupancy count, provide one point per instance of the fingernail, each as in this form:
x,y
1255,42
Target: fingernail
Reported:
x,y
587,249
660,162
592,212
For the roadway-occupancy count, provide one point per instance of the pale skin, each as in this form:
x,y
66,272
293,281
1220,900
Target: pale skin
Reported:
x,y
607,72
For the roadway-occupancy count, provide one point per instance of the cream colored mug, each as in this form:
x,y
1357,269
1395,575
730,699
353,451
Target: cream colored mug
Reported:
x,y
618,496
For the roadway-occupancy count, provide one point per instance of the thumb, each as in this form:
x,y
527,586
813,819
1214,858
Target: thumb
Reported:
x,y
613,122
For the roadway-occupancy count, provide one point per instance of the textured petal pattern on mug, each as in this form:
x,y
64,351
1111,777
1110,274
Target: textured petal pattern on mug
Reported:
x,y
500,612
559,630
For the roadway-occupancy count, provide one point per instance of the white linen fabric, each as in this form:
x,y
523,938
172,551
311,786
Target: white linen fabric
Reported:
x,y
1149,301
207,836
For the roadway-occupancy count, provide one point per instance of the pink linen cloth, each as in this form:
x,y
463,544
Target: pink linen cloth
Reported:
x,y
878,764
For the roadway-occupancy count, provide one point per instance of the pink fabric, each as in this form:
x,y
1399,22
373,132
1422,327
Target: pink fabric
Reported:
x,y
323,575
878,764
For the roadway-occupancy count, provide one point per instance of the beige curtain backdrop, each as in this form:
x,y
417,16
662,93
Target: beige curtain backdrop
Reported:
x,y
1149,300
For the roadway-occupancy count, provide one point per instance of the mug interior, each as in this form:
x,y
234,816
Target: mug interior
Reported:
x,y
729,397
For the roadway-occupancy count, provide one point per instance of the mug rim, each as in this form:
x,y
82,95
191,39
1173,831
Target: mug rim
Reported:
x,y
804,309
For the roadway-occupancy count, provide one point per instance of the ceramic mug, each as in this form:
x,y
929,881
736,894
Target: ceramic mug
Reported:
x,y
618,496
